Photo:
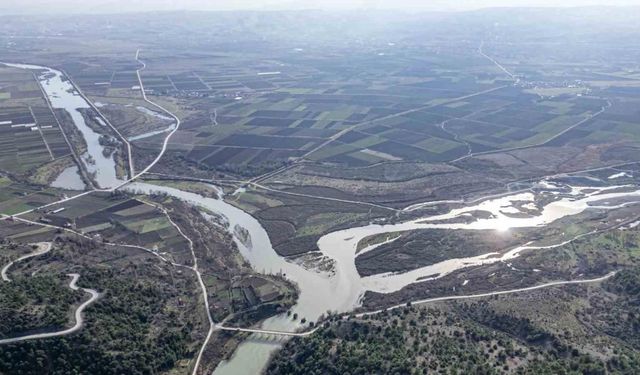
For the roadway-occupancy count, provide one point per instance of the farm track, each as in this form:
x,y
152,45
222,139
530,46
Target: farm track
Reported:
x,y
220,326
443,124
203,287
541,144
490,294
139,174
515,79
399,114
459,297
412,207
44,139
333,138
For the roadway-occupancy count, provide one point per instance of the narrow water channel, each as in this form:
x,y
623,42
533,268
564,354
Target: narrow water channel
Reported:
x,y
62,95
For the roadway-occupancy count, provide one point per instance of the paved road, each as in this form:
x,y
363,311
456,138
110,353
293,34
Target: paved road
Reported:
x,y
78,316
43,248
259,186
163,109
95,295
496,63
268,332
263,187
423,301
481,295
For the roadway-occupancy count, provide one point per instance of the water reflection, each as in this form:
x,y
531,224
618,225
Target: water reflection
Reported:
x,y
342,289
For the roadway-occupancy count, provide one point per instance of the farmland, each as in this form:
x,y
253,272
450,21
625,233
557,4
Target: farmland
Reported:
x,y
30,135
303,158
246,113
116,239
303,108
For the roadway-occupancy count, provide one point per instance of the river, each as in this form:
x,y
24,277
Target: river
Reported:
x,y
63,95
318,291
342,289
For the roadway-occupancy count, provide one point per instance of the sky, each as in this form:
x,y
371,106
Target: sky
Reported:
x,y
116,6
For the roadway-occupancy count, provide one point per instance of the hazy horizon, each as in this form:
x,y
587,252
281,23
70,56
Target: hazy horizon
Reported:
x,y
122,6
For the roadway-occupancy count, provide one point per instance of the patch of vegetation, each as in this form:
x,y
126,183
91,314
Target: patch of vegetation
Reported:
x,y
415,249
130,330
35,303
442,340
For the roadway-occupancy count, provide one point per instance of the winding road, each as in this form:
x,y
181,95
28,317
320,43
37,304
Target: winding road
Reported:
x,y
78,315
43,248
132,178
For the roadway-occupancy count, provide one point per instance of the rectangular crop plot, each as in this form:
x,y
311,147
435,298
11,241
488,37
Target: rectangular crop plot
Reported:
x,y
264,141
191,85
222,156
268,121
404,151
22,142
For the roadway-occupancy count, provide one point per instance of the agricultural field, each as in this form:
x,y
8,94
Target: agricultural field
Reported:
x,y
30,135
246,117
114,239
115,77
114,89
116,220
249,112
245,112
18,197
